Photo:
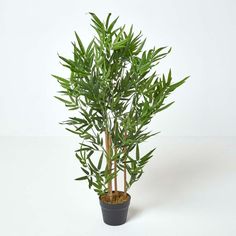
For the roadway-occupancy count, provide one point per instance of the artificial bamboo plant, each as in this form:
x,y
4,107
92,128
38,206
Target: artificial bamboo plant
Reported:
x,y
114,91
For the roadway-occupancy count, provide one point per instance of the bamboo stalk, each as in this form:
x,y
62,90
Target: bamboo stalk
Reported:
x,y
115,165
125,169
115,161
115,171
108,150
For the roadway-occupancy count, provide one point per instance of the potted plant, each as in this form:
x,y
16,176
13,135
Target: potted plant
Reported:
x,y
115,93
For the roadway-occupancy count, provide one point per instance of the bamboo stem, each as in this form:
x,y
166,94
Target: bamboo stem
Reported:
x,y
115,162
125,169
115,172
110,146
108,150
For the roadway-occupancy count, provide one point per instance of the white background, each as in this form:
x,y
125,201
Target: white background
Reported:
x,y
188,187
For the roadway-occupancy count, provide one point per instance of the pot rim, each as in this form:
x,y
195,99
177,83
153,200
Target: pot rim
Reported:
x,y
115,204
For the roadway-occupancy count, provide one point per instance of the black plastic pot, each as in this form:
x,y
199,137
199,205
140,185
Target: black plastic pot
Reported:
x,y
115,214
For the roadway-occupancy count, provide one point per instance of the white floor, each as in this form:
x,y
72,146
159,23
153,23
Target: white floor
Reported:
x,y
188,188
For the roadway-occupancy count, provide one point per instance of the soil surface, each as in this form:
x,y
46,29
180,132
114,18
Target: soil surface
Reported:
x,y
118,198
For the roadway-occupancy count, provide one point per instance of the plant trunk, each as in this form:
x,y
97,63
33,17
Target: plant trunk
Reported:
x,y
125,170
115,172
108,150
115,164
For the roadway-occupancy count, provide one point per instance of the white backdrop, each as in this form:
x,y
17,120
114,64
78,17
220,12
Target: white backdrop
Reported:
x,y
202,34
188,187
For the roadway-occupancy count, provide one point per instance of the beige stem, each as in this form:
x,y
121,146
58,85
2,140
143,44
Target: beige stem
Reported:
x,y
125,170
108,150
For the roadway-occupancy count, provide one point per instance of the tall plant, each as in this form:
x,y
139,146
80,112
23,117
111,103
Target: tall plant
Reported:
x,y
116,91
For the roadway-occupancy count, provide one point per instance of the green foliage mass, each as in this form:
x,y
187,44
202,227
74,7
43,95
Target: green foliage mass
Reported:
x,y
114,87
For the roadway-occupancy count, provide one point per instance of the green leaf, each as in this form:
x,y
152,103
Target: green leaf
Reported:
x,y
164,107
120,44
92,166
85,171
146,157
90,154
111,26
63,100
88,147
82,178
100,162
169,78
80,43
60,79
176,85
90,182
140,47
107,20
78,120
109,178
119,34
97,22
89,48
137,152
67,61
72,131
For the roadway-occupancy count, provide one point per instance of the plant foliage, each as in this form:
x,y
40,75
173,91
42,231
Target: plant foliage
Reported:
x,y
116,91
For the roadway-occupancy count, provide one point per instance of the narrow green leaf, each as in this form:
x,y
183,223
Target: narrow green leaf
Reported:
x,y
85,171
137,152
97,20
89,48
92,166
169,78
82,178
112,25
164,107
80,43
60,79
146,157
107,20
67,61
100,162
90,182
72,131
63,100
176,85
90,154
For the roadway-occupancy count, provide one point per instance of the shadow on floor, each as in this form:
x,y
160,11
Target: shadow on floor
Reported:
x,y
134,212
177,177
